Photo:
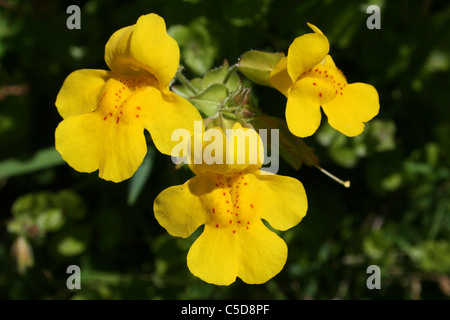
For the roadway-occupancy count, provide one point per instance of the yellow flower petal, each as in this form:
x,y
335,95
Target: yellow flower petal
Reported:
x,y
303,110
219,256
179,209
163,113
213,256
263,255
347,113
144,45
80,92
305,52
279,77
314,28
89,142
279,200
235,150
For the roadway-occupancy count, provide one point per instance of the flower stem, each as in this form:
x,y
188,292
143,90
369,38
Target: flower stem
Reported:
x,y
184,81
229,73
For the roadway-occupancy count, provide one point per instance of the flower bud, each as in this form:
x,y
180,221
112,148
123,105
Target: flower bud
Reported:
x,y
23,253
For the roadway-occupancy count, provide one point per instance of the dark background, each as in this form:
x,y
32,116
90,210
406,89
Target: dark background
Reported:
x,y
395,215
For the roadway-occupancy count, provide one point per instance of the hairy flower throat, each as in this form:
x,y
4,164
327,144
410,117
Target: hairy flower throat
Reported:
x,y
116,100
231,208
327,82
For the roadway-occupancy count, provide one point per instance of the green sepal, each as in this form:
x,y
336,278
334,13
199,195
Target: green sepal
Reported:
x,y
209,101
258,65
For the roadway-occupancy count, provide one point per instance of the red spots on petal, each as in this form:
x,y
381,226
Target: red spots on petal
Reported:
x,y
217,225
213,210
239,221
248,222
320,94
231,221
341,93
110,113
224,193
228,210
242,178
105,118
316,70
234,231
314,83
117,120
227,201
251,205
245,183
139,108
137,116
246,228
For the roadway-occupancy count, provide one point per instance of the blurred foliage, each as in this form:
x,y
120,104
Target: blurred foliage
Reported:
x,y
395,215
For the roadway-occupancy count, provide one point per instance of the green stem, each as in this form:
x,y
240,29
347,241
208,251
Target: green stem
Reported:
x,y
229,73
184,81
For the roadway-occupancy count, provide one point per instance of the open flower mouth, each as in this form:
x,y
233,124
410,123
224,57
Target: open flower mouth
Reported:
x,y
115,104
232,210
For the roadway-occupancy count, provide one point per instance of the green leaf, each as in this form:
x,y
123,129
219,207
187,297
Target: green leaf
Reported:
x,y
50,220
210,99
73,240
257,65
198,49
137,182
219,75
71,203
43,159
71,246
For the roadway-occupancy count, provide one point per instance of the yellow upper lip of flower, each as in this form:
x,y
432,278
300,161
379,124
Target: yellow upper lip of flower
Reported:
x,y
242,148
143,49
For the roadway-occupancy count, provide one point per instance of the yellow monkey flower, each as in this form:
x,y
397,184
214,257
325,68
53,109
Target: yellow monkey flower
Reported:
x,y
105,112
309,79
231,200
